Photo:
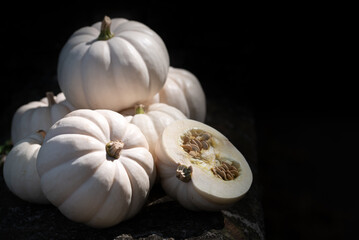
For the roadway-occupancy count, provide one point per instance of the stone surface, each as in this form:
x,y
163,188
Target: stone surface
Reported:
x,y
162,217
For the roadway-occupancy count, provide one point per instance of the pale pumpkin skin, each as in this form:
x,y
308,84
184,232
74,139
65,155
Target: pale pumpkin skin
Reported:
x,y
183,91
130,66
20,172
203,190
153,120
83,180
38,115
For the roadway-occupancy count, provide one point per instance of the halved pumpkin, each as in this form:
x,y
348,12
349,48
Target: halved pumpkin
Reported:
x,y
200,167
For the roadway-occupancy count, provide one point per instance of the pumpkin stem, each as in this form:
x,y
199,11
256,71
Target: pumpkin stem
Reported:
x,y
184,173
105,33
140,109
42,133
50,98
113,148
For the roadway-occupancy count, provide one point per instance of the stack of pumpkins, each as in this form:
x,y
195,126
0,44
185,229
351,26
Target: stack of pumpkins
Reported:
x,y
123,116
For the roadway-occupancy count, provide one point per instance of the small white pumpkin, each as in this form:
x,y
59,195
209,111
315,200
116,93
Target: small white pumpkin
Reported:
x,y
112,65
96,167
183,91
38,115
20,172
152,120
200,168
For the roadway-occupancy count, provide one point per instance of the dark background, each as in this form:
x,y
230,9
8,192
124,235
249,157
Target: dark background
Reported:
x,y
287,64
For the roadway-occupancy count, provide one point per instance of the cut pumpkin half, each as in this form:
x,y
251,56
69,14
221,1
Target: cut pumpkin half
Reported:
x,y
200,167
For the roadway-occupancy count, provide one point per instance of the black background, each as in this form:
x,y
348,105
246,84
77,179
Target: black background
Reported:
x,y
288,64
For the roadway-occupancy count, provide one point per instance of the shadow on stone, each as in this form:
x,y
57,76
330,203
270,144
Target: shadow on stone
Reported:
x,y
161,218
170,219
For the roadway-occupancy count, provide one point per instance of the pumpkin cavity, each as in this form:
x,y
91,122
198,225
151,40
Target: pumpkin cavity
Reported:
x,y
199,145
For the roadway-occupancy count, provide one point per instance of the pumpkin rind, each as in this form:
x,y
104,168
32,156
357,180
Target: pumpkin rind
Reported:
x,y
113,74
38,115
20,172
82,180
183,91
153,121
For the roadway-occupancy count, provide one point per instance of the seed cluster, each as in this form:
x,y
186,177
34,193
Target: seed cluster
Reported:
x,y
194,141
225,171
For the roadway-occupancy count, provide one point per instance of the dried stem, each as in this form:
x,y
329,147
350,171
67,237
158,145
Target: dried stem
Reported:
x,y
113,148
42,133
105,33
50,98
184,173
140,109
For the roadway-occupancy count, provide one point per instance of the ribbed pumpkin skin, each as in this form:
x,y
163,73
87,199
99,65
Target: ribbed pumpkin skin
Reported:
x,y
152,123
183,91
82,180
20,172
113,74
38,115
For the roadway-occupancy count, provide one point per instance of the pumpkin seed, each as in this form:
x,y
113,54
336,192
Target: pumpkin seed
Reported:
x,y
197,142
194,153
205,145
194,147
187,147
205,136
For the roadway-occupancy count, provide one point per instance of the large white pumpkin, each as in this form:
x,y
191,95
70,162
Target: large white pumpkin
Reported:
x,y
112,66
183,91
96,167
20,172
38,115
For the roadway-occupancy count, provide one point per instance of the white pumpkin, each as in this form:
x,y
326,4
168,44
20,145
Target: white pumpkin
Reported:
x,y
38,115
96,167
112,66
183,91
200,168
20,172
152,120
